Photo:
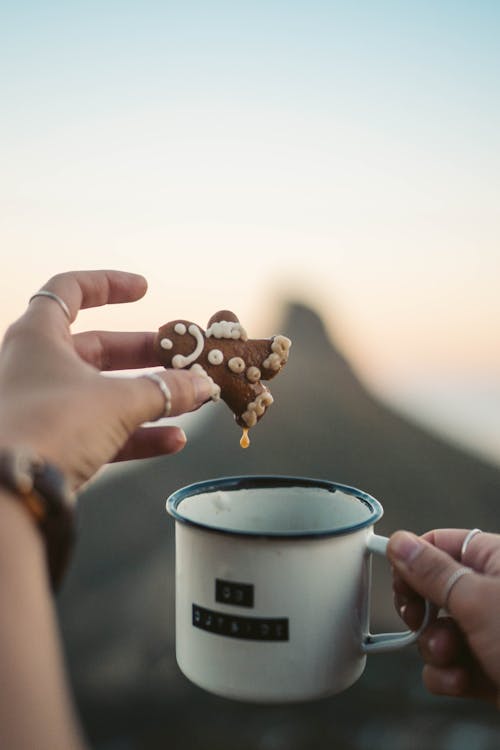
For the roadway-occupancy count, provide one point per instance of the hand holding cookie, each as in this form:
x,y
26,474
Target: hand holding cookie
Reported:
x,y
236,364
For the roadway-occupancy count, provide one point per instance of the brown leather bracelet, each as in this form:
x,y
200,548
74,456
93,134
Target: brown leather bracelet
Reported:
x,y
43,491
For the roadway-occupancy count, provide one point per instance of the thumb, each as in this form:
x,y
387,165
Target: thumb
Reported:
x,y
431,572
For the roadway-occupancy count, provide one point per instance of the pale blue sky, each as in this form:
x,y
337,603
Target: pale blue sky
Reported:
x,y
429,69
230,151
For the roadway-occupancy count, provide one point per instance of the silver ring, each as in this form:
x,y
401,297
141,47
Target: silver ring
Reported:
x,y
470,536
452,580
62,304
165,391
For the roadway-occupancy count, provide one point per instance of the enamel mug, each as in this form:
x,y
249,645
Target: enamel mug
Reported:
x,y
273,579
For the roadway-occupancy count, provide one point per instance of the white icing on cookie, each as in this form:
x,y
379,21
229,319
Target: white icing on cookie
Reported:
x,y
236,364
257,408
281,345
200,370
215,357
180,328
253,374
227,329
280,348
180,360
272,362
166,343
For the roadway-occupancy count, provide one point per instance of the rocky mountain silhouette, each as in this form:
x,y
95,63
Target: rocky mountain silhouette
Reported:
x,y
117,604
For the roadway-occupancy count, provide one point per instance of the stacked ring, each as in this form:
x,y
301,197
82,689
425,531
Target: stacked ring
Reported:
x,y
165,391
452,580
470,536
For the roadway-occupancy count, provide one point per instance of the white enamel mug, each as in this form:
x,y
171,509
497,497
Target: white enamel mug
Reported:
x,y
273,579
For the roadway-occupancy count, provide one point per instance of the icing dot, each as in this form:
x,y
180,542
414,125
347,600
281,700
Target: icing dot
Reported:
x,y
215,357
253,374
180,328
236,364
250,418
199,370
166,343
273,362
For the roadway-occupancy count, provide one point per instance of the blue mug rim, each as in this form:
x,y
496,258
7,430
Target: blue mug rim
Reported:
x,y
249,481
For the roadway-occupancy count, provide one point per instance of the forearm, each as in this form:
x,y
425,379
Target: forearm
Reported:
x,y
35,704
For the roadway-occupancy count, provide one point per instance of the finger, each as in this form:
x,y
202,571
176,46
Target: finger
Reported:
x,y
452,681
140,399
403,592
148,442
448,540
459,682
409,605
83,289
413,612
482,552
443,644
429,570
109,350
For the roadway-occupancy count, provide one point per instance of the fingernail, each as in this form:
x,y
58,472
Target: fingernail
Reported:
x,y
203,389
405,547
181,440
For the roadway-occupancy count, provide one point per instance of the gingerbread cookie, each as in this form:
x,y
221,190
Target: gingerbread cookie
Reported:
x,y
235,363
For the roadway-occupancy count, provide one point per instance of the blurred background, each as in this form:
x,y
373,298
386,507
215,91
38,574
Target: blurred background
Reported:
x,y
329,171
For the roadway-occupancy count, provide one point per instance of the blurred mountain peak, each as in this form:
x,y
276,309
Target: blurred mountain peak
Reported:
x,y
311,337
300,319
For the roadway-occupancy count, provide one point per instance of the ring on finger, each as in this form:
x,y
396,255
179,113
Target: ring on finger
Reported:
x,y
452,581
470,536
165,392
55,297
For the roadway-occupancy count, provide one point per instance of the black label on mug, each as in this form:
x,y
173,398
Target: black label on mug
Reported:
x,y
246,628
231,592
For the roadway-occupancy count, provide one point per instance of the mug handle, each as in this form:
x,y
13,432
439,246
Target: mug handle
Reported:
x,y
380,642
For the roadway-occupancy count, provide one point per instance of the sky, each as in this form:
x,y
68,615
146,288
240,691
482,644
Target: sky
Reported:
x,y
346,155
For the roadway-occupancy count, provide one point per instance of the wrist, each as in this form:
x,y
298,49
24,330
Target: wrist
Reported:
x,y
21,544
40,489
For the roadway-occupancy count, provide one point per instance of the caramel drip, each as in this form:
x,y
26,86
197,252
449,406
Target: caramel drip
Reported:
x,y
245,440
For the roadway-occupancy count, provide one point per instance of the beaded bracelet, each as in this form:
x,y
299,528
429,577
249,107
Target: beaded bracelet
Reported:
x,y
43,491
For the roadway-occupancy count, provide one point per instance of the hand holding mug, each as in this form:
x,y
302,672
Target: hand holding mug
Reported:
x,y
458,571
